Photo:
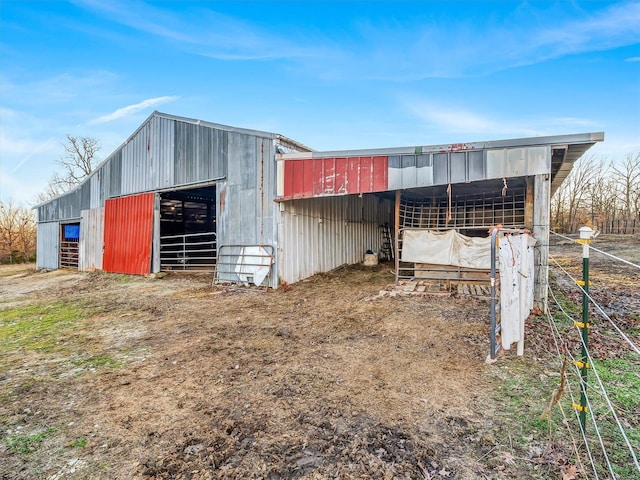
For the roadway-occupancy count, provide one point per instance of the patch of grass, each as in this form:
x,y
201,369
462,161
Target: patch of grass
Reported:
x,y
97,361
37,327
26,443
621,379
79,443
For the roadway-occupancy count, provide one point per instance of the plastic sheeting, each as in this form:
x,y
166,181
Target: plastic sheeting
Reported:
x,y
254,263
446,248
516,285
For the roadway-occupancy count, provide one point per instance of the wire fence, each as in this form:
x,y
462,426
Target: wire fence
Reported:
x,y
611,438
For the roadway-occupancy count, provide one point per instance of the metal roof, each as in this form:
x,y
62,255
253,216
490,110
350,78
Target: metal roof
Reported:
x,y
565,150
570,139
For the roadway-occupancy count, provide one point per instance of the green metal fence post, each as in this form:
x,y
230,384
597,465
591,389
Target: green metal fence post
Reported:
x,y
585,239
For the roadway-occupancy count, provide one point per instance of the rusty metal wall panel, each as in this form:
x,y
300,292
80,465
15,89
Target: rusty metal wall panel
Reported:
x,y
317,235
91,240
128,234
316,177
48,245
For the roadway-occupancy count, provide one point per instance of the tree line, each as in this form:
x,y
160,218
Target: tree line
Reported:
x,y
600,193
18,229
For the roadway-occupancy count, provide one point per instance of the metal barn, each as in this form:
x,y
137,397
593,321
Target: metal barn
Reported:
x,y
183,194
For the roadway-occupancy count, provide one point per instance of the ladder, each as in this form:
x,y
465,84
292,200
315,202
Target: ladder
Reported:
x,y
386,249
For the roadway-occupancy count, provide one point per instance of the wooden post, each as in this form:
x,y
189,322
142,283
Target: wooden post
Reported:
x,y
528,202
542,199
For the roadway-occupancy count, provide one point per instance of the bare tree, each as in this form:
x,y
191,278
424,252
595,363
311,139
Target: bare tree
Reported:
x,y
627,178
570,204
77,163
17,233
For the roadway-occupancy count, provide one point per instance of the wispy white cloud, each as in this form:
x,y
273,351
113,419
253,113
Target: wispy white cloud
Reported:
x,y
388,49
447,120
60,88
132,109
633,59
205,32
463,47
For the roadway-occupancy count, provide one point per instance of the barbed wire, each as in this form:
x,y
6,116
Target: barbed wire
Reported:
x,y
599,251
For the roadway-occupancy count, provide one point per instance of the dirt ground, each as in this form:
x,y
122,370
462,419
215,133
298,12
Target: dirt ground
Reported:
x,y
324,379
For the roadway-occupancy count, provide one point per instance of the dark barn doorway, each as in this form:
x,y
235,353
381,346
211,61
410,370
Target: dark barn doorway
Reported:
x,y
188,230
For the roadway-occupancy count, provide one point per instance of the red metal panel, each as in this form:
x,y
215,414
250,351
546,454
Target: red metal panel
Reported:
x,y
342,167
335,176
380,174
366,174
298,177
288,178
329,176
307,179
318,176
128,233
353,175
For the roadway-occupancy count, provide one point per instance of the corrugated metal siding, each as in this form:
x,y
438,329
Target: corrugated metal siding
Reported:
x,y
91,240
200,153
318,235
162,154
128,233
114,169
245,201
48,245
247,213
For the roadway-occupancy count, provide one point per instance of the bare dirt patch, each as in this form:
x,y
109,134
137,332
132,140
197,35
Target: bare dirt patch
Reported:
x,y
170,378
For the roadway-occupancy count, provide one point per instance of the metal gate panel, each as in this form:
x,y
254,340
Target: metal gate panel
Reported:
x,y
128,234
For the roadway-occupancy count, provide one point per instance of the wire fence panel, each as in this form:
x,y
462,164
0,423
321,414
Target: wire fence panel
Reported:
x,y
188,252
611,435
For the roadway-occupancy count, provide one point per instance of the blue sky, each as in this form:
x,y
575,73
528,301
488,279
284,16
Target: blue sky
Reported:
x,y
333,75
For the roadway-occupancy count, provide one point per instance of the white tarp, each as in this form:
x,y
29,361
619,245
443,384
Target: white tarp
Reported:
x,y
254,263
446,248
516,285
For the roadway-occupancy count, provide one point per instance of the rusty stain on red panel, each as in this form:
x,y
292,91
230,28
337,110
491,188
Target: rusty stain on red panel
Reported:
x,y
329,176
341,176
366,174
353,175
128,234
318,177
